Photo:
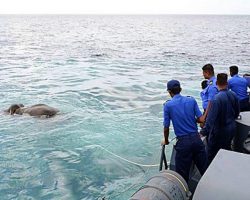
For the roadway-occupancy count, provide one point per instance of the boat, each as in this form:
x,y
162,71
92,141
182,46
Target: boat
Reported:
x,y
227,177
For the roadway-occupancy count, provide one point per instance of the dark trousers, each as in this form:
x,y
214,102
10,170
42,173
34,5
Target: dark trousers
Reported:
x,y
190,148
220,139
244,105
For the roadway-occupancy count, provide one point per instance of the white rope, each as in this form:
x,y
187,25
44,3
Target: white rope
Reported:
x,y
124,159
128,188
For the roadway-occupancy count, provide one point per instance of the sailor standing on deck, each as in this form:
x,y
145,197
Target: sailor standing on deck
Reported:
x,y
184,113
220,123
247,77
211,89
239,85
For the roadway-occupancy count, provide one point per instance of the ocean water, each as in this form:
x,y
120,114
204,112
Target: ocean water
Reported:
x,y
107,75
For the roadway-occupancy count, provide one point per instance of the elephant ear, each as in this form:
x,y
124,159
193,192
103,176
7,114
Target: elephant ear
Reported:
x,y
19,111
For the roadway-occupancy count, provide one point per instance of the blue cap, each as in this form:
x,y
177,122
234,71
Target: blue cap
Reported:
x,y
172,84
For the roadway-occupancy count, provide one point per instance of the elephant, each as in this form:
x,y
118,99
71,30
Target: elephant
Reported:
x,y
35,110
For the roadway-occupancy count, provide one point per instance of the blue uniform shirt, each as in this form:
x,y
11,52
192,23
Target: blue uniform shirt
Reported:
x,y
210,91
182,111
203,99
239,86
222,114
248,80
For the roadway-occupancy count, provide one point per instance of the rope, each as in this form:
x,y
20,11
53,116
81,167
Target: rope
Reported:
x,y
124,159
129,161
133,185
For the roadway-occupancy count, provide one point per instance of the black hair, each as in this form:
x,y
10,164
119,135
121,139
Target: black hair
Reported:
x,y
209,68
176,90
233,70
222,79
204,84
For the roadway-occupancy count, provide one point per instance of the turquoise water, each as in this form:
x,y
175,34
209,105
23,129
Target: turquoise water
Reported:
x,y
107,75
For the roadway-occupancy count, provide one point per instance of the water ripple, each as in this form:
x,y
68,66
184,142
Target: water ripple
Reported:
x,y
107,75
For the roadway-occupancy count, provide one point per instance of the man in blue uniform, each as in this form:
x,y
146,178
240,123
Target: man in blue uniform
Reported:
x,y
239,85
211,90
247,77
220,124
203,95
184,114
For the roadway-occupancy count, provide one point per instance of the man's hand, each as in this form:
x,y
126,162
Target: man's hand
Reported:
x,y
164,142
201,119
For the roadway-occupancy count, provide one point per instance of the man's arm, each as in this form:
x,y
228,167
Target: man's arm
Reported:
x,y
202,119
211,117
166,124
199,117
166,135
212,91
